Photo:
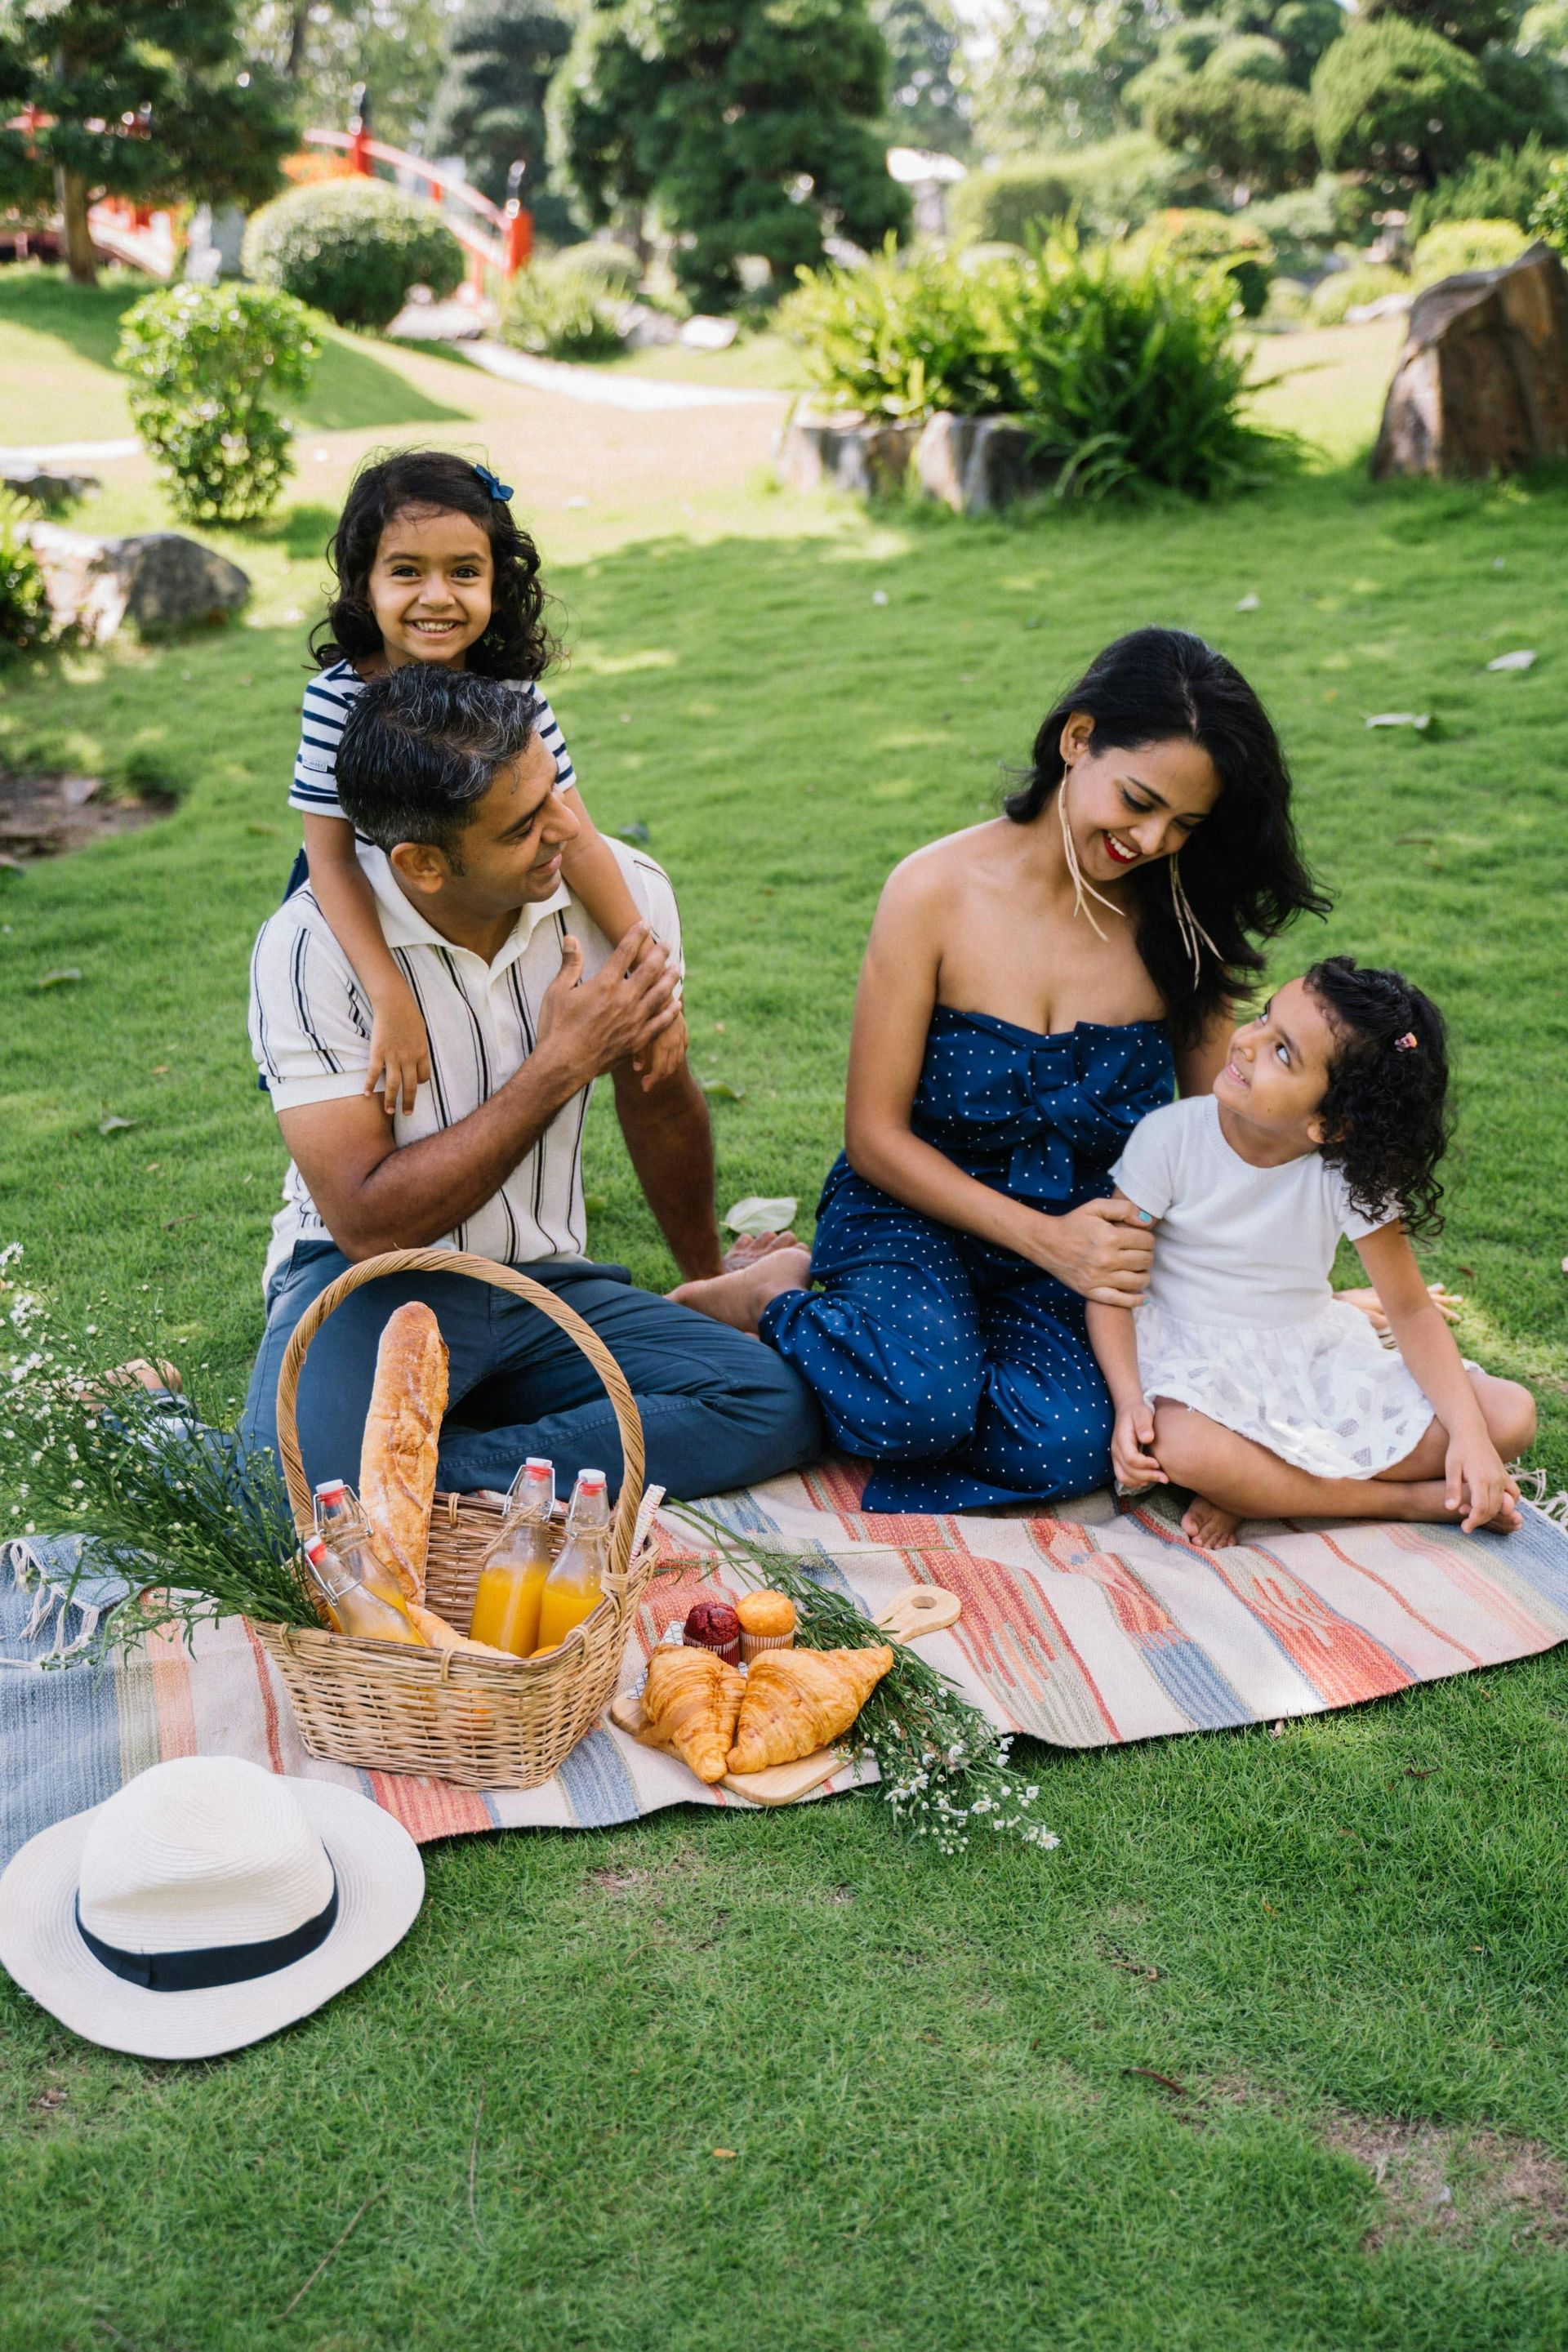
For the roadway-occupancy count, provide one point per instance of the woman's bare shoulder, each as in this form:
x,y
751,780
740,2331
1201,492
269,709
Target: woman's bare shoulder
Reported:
x,y
940,869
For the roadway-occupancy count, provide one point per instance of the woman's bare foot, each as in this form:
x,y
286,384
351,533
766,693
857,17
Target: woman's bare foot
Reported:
x,y
747,1249
1205,1524
739,1299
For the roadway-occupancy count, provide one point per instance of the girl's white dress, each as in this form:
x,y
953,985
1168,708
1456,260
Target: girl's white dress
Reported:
x,y
1239,1320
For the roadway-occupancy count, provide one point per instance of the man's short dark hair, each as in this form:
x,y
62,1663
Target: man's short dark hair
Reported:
x,y
421,747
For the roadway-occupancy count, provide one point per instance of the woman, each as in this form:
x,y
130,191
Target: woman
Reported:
x,y
1031,988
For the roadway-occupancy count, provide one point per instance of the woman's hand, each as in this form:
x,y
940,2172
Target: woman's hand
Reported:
x,y
399,1053
1133,1456
1102,1250
1475,1475
1367,1302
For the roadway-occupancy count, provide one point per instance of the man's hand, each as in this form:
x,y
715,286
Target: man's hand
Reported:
x,y
1102,1250
591,1026
1133,1456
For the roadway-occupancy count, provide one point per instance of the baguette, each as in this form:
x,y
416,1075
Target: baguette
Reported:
x,y
402,1435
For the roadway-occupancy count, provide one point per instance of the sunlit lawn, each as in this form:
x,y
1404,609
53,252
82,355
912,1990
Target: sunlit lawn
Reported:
x,y
923,2068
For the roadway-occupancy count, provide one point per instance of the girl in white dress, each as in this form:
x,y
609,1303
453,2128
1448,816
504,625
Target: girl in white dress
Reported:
x,y
1239,1375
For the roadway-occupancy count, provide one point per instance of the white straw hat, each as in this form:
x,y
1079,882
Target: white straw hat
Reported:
x,y
205,1904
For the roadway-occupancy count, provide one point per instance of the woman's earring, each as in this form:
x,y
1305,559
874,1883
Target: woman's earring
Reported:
x,y
1187,923
1079,887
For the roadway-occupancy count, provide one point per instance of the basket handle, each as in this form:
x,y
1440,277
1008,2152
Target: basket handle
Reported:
x,y
500,1278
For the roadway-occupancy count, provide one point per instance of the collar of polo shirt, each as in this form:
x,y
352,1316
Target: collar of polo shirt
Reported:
x,y
403,925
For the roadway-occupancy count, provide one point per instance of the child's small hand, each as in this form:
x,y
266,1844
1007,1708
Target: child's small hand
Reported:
x,y
1132,1446
1475,1475
399,1055
664,1057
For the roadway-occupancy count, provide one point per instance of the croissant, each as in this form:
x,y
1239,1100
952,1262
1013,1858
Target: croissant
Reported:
x,y
798,1701
692,1701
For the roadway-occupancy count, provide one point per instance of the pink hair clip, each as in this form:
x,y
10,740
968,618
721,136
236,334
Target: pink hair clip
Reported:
x,y
1405,1045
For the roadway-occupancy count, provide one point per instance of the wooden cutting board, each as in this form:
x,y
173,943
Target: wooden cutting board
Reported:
x,y
919,1609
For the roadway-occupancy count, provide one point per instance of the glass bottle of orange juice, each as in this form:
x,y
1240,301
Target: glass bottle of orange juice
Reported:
x,y
341,1523
356,1607
512,1577
576,1583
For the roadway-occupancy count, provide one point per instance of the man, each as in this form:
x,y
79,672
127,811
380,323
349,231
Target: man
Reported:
x,y
462,827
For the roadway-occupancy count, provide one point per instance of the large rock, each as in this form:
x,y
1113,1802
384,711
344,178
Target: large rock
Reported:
x,y
159,581
1482,381
45,486
847,453
974,464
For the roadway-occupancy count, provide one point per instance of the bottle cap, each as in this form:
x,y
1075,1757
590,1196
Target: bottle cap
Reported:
x,y
330,1488
590,1481
315,1550
538,1464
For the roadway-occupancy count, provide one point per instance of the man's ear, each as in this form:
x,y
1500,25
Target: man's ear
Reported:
x,y
421,864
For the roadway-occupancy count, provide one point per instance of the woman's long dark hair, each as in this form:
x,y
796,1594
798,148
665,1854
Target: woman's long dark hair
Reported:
x,y
516,645
1385,1113
1243,874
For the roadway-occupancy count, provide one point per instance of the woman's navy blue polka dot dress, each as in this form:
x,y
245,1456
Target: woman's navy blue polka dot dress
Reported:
x,y
959,1370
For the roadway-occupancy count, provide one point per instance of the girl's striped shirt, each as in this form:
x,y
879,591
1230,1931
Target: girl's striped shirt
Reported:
x,y
326,707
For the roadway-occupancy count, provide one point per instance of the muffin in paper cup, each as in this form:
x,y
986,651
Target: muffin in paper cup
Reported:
x,y
767,1622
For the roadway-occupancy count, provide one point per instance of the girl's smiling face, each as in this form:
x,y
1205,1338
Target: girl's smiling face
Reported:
x,y
431,586
1280,1068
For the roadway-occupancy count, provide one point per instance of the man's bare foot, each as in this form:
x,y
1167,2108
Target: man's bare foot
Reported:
x,y
137,1373
739,1299
749,1248
1205,1524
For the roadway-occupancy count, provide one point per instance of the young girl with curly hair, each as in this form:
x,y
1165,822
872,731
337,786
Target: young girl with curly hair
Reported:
x,y
1239,1374
431,566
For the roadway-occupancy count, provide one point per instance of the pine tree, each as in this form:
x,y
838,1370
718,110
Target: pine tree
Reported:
x,y
751,124
489,108
136,98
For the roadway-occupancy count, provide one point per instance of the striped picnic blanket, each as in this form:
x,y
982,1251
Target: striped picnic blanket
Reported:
x,y
1083,1628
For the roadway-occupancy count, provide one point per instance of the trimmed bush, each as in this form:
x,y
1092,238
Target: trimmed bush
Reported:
x,y
1112,187
1505,187
900,335
560,313
1454,245
1347,289
1205,240
352,248
1301,226
25,619
207,365
610,269
1394,96
1002,205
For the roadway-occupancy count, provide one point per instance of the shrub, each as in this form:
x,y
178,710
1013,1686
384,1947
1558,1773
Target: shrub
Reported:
x,y
559,314
1458,244
611,269
1550,218
1301,226
207,364
352,248
1130,373
1249,128
1390,95
25,619
1505,187
1206,240
899,335
1347,289
1112,187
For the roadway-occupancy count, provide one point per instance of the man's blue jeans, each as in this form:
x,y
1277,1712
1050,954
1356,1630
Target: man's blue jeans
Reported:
x,y
719,1410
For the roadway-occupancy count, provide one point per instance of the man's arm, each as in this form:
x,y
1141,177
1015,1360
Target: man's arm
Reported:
x,y
374,1195
669,1141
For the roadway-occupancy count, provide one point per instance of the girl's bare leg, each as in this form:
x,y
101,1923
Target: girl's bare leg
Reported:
x,y
1233,1479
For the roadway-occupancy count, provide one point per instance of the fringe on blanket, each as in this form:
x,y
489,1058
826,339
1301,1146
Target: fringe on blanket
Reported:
x,y
1533,1483
34,1567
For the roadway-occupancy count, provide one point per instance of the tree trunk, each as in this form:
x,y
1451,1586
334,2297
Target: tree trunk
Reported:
x,y
299,29
71,193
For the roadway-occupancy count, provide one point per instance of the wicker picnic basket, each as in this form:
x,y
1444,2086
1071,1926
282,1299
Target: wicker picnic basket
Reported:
x,y
484,1723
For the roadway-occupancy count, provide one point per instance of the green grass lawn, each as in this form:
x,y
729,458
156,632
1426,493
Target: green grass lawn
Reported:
x,y
928,2072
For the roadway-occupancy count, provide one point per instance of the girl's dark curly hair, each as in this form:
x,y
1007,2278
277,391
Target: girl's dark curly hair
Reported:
x,y
1243,874
516,645
1385,1113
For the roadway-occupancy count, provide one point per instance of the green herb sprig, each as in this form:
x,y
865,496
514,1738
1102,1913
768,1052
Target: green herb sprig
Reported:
x,y
942,1765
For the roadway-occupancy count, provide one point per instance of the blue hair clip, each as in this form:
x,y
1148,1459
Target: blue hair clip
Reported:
x,y
496,487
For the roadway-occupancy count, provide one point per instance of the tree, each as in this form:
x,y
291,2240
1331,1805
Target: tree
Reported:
x,y
927,103
327,48
1259,132
1392,96
137,100
489,108
751,124
1468,24
1060,68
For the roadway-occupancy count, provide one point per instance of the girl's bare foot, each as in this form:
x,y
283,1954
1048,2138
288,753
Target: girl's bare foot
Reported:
x,y
739,1299
1425,1501
1207,1526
